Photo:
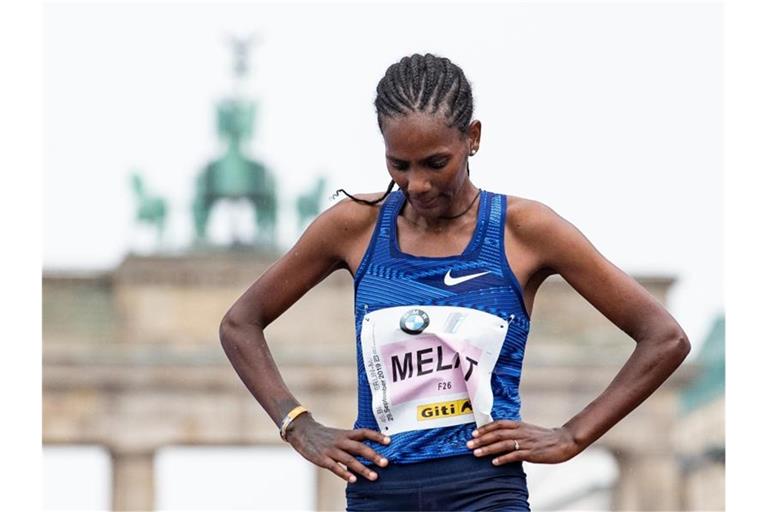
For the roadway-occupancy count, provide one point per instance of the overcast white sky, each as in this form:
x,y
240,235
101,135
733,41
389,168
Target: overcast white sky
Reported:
x,y
608,113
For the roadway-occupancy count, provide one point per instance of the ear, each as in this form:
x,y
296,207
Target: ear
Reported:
x,y
474,134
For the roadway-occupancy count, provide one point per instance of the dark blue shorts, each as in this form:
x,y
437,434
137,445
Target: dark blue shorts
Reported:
x,y
461,482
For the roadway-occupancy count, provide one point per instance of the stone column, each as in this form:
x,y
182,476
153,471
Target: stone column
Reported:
x,y
647,481
330,491
133,480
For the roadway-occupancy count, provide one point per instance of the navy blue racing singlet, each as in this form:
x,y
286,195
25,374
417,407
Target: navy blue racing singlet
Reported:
x,y
440,340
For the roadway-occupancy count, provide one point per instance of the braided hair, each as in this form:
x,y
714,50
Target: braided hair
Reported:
x,y
422,83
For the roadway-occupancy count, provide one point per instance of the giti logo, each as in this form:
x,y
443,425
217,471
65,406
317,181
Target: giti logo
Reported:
x,y
443,409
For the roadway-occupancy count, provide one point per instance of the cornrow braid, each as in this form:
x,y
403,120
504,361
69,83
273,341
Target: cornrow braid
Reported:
x,y
422,83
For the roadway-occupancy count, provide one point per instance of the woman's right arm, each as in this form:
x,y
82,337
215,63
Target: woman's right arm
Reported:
x,y
323,248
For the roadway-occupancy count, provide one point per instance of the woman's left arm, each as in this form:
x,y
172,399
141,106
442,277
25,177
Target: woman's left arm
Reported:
x,y
662,345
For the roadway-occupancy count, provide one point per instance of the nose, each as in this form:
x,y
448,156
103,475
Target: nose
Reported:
x,y
418,183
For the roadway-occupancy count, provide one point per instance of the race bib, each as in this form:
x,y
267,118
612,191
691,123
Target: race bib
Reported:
x,y
430,366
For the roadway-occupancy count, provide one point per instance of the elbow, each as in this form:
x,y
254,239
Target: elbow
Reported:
x,y
226,328
679,347
234,328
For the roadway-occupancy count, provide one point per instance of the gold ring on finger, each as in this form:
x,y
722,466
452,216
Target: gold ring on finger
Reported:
x,y
517,445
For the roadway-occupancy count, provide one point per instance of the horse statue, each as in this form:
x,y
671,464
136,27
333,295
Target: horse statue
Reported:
x,y
150,209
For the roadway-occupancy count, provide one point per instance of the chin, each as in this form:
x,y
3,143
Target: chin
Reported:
x,y
420,204
432,208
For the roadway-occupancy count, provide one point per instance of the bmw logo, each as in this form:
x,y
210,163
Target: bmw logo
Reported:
x,y
414,321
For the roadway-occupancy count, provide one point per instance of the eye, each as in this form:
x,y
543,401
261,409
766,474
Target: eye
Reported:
x,y
400,166
438,164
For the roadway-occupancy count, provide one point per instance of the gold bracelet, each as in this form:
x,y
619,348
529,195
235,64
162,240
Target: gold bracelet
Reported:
x,y
296,411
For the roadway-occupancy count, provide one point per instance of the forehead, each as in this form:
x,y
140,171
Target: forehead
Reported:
x,y
417,135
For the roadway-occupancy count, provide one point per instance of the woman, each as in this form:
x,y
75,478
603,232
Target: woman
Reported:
x,y
445,276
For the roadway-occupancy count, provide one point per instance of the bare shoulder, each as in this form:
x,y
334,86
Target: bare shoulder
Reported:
x,y
529,219
350,216
347,225
555,241
541,232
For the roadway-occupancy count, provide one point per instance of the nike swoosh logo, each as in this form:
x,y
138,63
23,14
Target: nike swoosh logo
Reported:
x,y
453,281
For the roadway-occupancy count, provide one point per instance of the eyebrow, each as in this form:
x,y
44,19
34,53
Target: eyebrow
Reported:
x,y
425,159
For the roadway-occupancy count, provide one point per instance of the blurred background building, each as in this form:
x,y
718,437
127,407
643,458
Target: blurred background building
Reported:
x,y
132,364
141,408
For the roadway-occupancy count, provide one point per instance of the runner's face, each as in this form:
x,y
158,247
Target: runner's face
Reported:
x,y
427,160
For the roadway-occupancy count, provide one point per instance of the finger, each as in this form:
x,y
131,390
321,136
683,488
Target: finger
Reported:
x,y
494,425
366,433
352,446
507,445
517,455
492,437
335,468
353,464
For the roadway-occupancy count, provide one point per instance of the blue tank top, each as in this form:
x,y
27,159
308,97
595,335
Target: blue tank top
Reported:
x,y
479,278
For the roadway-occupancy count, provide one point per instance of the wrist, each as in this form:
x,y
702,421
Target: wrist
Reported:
x,y
572,445
579,430
298,425
290,417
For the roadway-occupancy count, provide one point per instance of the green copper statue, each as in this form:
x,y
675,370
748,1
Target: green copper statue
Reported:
x,y
233,175
150,209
